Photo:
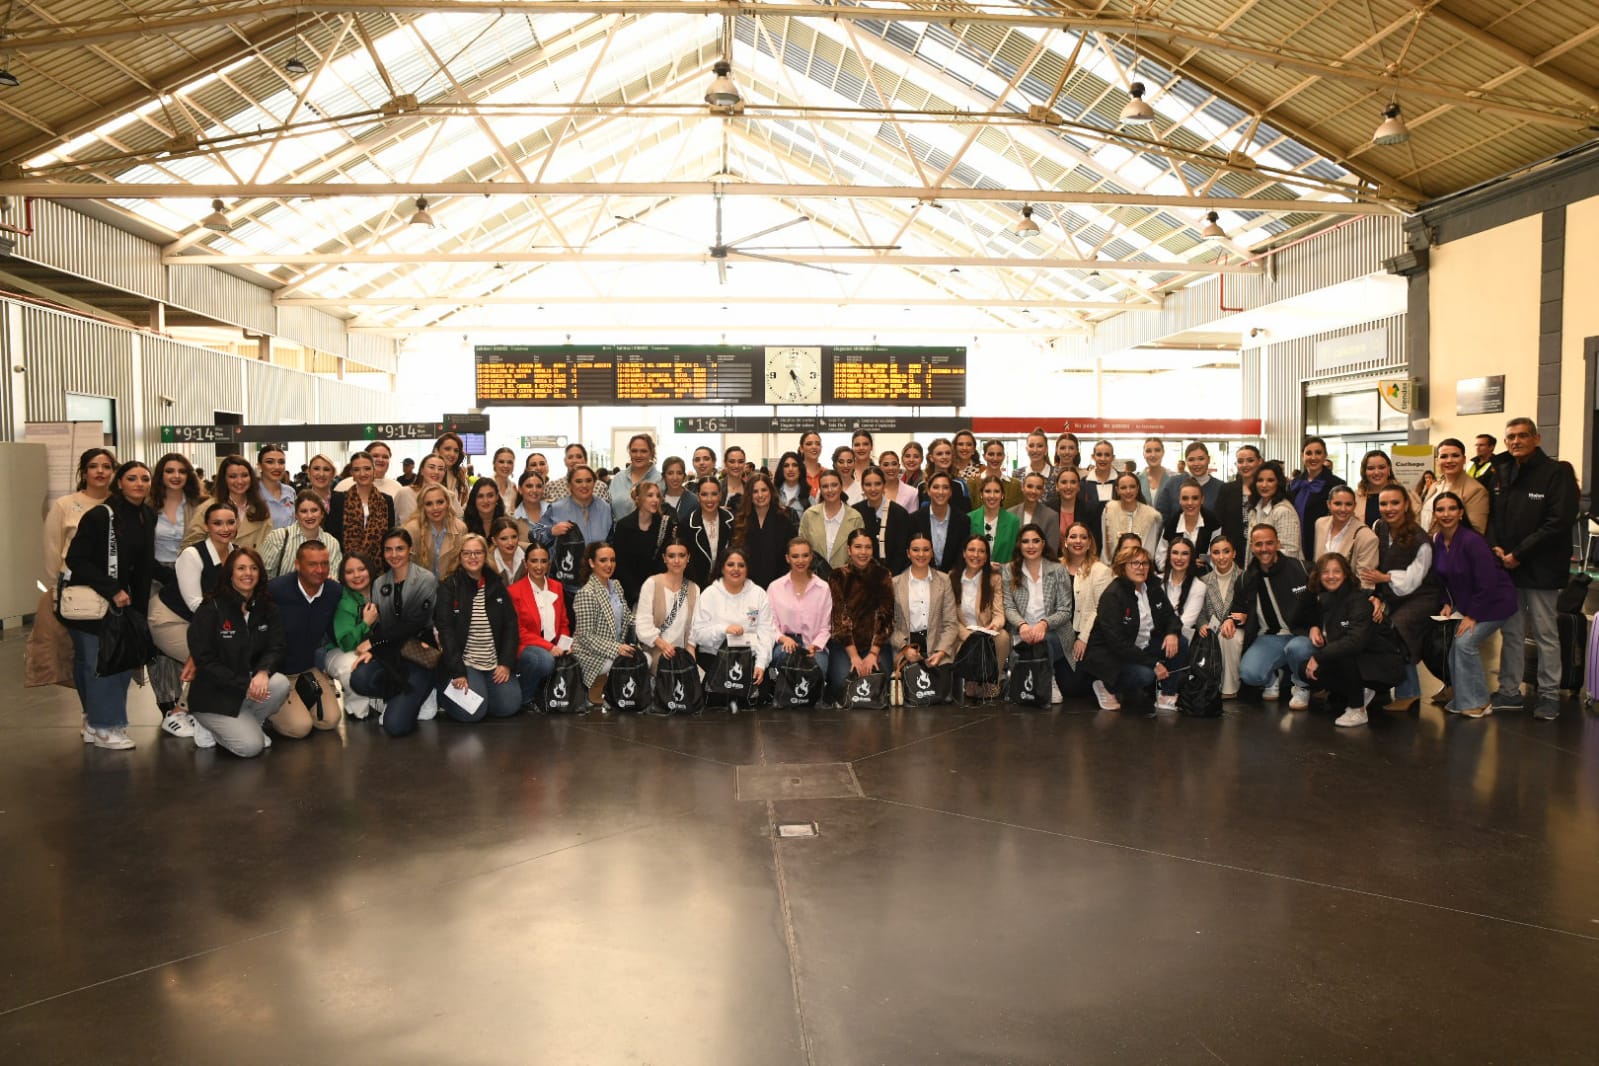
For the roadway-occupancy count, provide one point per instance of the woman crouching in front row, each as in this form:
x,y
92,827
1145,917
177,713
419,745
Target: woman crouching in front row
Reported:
x,y
236,643
1136,642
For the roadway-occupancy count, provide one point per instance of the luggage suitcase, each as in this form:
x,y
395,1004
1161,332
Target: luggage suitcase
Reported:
x,y
1590,678
1574,639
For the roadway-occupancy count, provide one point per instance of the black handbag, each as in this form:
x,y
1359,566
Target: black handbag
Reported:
x,y
309,690
927,686
566,557
799,682
977,661
629,688
125,642
1436,644
1029,675
868,693
1199,695
734,675
678,689
564,692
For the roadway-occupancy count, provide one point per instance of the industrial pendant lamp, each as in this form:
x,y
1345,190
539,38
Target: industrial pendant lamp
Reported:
x,y
723,94
8,79
422,216
1211,230
296,66
216,221
1025,226
1136,112
1393,129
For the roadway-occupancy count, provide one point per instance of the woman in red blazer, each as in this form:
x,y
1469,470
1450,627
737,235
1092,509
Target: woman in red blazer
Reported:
x,y
541,616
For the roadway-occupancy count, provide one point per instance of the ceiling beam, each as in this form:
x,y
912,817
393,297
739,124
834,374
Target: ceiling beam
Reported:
x,y
124,190
765,331
80,32
553,300
593,255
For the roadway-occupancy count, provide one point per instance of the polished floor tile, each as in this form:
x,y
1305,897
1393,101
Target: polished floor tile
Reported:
x,y
1068,886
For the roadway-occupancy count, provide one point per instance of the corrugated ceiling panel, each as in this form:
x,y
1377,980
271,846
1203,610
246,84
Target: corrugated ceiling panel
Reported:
x,y
312,327
88,248
379,353
223,297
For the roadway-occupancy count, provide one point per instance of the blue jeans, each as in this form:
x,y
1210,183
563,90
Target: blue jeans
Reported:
x,y
499,700
532,667
1466,671
399,712
104,699
1271,652
1137,676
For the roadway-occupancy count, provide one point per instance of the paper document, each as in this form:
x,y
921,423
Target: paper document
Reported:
x,y
464,698
564,644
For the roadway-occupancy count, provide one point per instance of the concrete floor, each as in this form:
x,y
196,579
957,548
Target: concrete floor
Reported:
x,y
1010,887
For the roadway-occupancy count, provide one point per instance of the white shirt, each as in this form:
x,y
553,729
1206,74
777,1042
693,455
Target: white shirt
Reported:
x,y
545,599
919,593
853,492
713,533
832,525
971,597
1035,595
719,609
1146,617
675,634
1192,609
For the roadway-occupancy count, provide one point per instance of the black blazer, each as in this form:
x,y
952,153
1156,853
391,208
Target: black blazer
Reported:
x,y
89,555
767,545
1211,526
960,531
895,540
640,552
1230,511
228,650
452,616
701,560
1113,642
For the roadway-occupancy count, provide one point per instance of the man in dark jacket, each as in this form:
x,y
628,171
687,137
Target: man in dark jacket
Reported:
x,y
1264,606
1529,528
306,601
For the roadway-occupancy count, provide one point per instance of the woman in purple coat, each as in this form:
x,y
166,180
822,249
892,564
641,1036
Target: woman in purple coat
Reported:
x,y
1478,591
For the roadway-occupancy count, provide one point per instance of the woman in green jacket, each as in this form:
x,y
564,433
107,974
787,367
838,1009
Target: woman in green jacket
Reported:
x,y
994,523
352,622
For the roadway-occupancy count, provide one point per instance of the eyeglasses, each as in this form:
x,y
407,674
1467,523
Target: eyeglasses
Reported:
x,y
472,553
1138,562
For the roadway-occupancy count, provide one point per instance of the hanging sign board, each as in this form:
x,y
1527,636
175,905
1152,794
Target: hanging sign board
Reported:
x,y
1398,393
1410,461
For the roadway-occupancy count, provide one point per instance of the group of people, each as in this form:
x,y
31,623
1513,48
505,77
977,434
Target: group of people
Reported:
x,y
358,596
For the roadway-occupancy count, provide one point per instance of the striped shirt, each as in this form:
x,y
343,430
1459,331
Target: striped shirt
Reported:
x,y
480,651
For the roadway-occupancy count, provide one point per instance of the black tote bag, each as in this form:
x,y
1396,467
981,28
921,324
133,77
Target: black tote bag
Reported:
x,y
734,676
564,692
799,682
1029,675
678,689
927,686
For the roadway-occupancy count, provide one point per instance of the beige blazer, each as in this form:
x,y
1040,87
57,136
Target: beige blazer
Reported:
x,y
943,616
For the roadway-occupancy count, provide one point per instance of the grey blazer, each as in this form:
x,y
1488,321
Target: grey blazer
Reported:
x,y
1058,602
1047,517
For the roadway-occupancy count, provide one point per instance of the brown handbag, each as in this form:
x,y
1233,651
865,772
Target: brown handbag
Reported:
x,y
424,655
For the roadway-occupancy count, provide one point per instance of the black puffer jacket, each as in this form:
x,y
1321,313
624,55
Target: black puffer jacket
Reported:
x,y
453,617
228,649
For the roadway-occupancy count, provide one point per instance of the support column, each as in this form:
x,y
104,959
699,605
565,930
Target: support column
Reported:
x,y
158,316
1551,315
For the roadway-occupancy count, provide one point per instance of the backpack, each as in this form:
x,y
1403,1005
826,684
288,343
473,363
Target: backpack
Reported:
x,y
1199,695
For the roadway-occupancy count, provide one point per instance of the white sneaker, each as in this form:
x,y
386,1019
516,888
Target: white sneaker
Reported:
x,y
1352,716
1299,699
86,731
178,724
1271,691
1166,704
203,737
430,707
1054,693
114,739
1107,699
266,739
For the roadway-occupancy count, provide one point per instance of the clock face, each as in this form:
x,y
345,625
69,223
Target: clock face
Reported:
x,y
794,375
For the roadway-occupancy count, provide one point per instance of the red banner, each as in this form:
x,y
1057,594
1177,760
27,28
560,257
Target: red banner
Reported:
x,y
1200,428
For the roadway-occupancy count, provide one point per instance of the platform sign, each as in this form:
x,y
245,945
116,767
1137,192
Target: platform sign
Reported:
x,y
323,431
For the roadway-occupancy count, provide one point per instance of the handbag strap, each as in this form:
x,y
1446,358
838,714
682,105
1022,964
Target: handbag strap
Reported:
x,y
677,605
113,556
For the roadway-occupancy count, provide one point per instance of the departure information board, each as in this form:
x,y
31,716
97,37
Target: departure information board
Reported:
x,y
569,375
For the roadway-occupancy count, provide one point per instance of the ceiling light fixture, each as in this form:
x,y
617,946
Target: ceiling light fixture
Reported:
x,y
422,216
1211,230
8,79
1393,129
723,94
216,221
1136,112
1025,226
296,66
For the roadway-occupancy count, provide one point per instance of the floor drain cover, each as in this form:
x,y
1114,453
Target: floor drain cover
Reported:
x,y
797,829
811,780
